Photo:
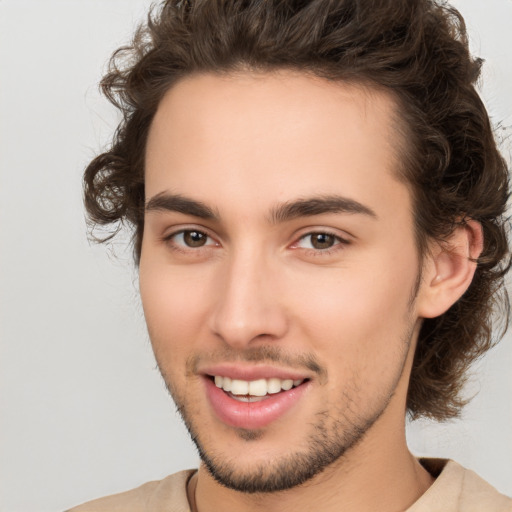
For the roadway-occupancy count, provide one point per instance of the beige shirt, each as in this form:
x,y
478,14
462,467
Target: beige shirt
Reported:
x,y
455,489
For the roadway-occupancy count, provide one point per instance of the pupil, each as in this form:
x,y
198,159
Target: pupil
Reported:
x,y
322,241
194,238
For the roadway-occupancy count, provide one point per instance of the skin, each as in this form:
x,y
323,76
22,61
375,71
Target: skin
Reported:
x,y
244,145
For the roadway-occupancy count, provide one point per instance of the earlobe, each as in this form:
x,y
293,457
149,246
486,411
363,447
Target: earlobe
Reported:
x,y
449,269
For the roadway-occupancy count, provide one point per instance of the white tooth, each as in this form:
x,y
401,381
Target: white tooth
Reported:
x,y
226,385
287,384
218,381
258,387
256,398
241,398
239,387
273,386
297,382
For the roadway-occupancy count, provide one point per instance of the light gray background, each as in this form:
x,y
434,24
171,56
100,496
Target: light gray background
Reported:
x,y
83,411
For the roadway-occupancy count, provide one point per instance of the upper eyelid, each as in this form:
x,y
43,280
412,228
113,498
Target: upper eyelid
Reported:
x,y
339,241
344,236
322,232
168,238
176,230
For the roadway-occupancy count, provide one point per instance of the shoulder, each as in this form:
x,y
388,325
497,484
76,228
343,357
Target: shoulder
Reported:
x,y
475,490
457,489
169,494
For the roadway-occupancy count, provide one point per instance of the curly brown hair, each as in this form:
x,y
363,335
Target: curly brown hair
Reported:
x,y
417,50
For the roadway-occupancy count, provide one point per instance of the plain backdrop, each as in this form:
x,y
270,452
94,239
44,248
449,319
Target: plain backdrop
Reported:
x,y
83,410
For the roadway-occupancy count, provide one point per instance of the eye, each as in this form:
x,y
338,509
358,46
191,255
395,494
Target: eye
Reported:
x,y
320,241
190,238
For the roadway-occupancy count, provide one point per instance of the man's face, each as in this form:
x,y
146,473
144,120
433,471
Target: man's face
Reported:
x,y
279,251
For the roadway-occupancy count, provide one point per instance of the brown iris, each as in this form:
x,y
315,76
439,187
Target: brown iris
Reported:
x,y
322,240
194,238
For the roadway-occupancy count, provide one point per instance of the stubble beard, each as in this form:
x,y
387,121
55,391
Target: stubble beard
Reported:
x,y
328,443
334,432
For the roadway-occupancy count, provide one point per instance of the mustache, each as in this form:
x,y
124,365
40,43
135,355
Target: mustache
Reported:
x,y
262,354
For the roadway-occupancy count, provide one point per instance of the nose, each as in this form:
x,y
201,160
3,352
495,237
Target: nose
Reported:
x,y
249,306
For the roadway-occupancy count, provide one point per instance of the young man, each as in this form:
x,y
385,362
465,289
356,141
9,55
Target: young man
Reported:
x,y
318,209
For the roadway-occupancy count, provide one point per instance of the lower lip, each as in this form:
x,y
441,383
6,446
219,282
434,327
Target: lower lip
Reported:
x,y
252,415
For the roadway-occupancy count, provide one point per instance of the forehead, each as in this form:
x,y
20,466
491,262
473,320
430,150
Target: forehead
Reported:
x,y
256,138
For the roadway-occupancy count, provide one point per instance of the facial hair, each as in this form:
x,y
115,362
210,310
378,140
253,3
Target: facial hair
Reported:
x,y
334,432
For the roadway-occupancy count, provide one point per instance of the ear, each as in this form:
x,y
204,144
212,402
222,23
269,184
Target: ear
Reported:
x,y
449,269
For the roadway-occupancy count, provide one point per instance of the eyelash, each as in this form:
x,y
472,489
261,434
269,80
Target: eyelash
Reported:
x,y
339,242
183,248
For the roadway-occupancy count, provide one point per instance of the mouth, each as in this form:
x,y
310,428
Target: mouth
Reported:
x,y
255,403
254,390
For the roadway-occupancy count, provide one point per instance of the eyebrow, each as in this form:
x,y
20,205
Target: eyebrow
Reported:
x,y
181,204
305,207
309,207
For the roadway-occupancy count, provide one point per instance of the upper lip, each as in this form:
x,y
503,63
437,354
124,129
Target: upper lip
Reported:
x,y
252,372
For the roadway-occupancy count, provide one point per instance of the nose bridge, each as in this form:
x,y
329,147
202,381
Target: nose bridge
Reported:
x,y
247,306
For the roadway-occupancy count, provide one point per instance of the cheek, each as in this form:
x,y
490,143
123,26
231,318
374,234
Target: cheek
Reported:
x,y
358,316
173,307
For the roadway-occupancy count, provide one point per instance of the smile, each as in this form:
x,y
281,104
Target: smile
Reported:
x,y
253,404
255,390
